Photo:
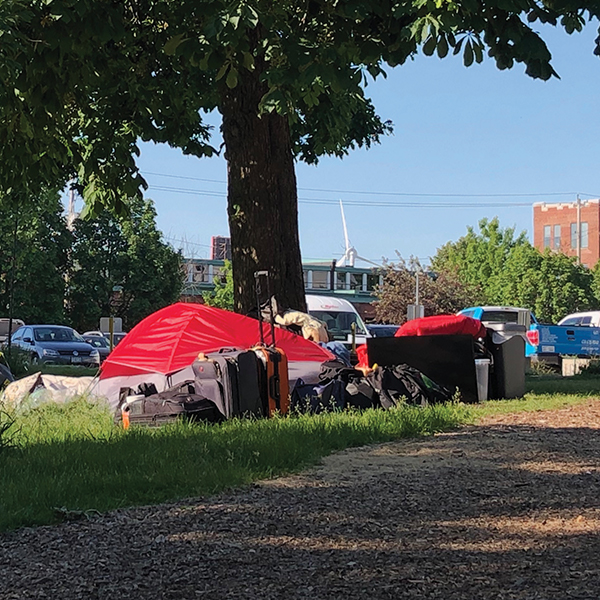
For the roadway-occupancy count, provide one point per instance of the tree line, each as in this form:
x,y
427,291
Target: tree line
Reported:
x,y
491,266
100,266
83,82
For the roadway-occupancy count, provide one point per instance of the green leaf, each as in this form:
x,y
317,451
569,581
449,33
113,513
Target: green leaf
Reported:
x,y
248,60
173,43
442,47
429,46
468,54
232,78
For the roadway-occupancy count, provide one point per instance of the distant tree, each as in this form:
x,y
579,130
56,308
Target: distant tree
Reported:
x,y
121,268
562,287
34,240
509,271
222,296
479,259
439,293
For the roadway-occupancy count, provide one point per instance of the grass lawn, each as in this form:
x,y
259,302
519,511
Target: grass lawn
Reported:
x,y
55,459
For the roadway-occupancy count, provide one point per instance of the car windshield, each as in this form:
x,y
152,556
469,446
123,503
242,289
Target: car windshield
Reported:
x,y
500,316
117,337
339,324
97,341
56,334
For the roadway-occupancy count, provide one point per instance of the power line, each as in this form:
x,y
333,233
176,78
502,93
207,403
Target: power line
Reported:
x,y
360,203
186,242
403,194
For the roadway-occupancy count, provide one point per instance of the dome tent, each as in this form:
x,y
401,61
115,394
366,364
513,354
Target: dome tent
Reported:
x,y
161,348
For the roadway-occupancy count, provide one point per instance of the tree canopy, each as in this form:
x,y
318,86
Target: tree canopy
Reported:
x,y
82,81
122,268
508,270
439,293
34,259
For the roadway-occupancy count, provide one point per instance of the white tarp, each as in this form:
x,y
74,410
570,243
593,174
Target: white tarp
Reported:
x,y
40,388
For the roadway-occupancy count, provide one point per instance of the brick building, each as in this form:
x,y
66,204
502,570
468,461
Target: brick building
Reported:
x,y
555,226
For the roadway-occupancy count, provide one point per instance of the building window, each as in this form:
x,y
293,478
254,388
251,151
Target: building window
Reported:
x,y
556,237
547,236
320,280
372,281
584,235
355,281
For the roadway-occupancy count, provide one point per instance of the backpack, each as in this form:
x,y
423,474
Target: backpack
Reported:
x,y
402,383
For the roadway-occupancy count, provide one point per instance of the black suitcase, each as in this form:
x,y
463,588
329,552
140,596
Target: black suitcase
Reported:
x,y
236,386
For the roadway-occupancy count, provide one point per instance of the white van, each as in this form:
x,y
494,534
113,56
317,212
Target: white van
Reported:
x,y
338,314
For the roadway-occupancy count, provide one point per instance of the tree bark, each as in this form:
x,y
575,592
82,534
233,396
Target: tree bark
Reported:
x,y
262,201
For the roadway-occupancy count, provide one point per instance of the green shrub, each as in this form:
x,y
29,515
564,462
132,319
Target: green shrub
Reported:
x,y
592,368
18,361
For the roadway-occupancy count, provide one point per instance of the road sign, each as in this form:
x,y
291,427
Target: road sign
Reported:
x,y
105,324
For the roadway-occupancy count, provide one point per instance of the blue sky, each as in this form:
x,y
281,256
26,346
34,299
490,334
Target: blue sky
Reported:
x,y
475,133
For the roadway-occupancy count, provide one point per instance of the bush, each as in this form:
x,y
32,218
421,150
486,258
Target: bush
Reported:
x,y
592,368
18,362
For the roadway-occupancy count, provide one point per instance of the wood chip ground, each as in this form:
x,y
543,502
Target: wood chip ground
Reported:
x,y
509,509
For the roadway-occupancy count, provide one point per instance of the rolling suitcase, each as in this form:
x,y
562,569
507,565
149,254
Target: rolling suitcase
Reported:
x,y
241,374
213,383
275,384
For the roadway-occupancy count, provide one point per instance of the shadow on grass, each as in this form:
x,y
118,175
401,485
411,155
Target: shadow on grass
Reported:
x,y
495,512
67,459
588,385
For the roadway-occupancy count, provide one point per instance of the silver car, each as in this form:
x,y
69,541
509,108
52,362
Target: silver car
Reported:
x,y
55,345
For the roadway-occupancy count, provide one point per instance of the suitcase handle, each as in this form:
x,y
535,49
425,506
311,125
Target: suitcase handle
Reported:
x,y
257,276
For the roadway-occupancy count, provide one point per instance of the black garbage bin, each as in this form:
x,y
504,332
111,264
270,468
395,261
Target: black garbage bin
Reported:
x,y
506,343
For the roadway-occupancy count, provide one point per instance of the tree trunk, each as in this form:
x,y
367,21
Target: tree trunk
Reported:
x,y
262,201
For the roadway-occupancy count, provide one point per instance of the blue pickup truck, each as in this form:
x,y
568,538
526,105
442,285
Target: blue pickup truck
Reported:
x,y
575,335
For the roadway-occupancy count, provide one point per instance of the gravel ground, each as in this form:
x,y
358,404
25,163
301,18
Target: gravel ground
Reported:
x,y
508,509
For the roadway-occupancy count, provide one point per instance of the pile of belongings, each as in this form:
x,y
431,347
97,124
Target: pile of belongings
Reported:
x,y
41,388
300,322
343,387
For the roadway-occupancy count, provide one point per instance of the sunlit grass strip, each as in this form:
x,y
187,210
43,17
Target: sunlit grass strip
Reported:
x,y
73,458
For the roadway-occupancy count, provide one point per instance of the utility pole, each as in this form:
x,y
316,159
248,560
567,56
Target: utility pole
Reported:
x,y
417,288
11,289
578,230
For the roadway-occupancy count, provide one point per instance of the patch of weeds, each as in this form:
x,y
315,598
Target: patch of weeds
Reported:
x,y
8,431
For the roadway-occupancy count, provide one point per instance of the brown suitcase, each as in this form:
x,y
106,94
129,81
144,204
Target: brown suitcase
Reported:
x,y
276,386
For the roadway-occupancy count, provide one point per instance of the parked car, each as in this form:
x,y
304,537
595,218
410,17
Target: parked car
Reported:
x,y
100,343
117,335
582,319
55,345
4,323
383,330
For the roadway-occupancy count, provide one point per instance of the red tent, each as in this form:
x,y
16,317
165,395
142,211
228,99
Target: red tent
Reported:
x,y
171,338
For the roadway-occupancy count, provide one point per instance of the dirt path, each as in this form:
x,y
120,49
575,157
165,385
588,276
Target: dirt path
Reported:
x,y
510,509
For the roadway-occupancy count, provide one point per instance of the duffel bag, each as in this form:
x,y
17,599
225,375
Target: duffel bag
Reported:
x,y
325,397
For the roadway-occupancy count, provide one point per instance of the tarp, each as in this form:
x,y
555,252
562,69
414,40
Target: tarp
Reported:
x,y
40,388
171,338
443,325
